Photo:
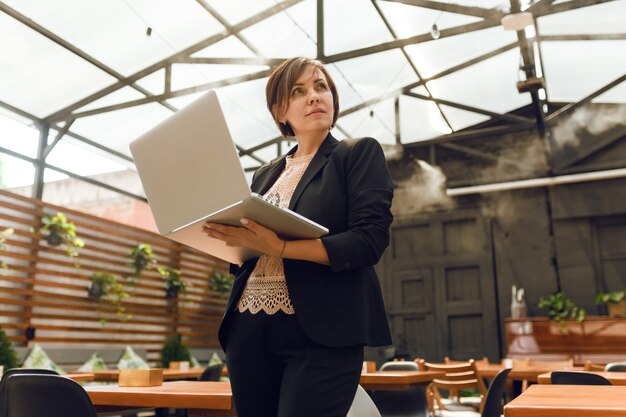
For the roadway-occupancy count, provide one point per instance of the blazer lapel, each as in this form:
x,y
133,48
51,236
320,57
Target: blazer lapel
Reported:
x,y
263,183
317,163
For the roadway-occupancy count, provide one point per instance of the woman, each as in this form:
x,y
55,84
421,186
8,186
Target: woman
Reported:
x,y
299,315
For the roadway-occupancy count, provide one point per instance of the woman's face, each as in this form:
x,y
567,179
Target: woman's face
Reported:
x,y
310,103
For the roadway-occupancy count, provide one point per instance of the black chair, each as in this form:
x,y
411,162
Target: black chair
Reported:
x,y
615,367
211,373
578,378
41,395
17,371
493,399
407,403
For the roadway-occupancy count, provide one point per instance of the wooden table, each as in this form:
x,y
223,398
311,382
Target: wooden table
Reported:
x,y
200,398
112,375
569,401
397,380
529,373
81,376
616,378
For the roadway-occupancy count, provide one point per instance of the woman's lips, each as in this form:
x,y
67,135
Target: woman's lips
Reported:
x,y
315,111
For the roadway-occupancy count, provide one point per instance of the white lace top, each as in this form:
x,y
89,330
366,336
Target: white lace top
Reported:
x,y
266,289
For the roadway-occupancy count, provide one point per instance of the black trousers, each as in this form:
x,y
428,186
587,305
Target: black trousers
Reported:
x,y
275,370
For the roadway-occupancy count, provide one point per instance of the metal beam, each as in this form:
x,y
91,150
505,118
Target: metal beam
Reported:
x,y
469,134
410,61
467,63
505,117
38,185
475,152
386,46
251,155
527,52
20,112
320,29
71,174
98,146
259,60
396,111
172,94
228,26
65,112
568,108
600,144
452,8
585,37
60,134
566,6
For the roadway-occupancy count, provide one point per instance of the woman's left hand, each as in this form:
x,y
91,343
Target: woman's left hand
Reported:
x,y
251,235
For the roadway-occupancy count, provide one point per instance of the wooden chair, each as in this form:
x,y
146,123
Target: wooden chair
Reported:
x,y
457,376
521,364
593,367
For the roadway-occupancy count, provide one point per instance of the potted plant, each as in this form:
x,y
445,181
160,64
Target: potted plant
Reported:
x,y
561,308
8,356
3,238
615,302
174,350
57,230
105,288
142,258
221,283
174,284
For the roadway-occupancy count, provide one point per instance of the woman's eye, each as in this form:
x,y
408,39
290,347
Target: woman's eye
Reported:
x,y
321,86
296,91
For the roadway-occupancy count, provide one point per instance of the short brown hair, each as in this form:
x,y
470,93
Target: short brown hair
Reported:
x,y
279,86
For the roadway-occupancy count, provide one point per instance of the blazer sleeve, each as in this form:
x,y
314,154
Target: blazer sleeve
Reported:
x,y
369,191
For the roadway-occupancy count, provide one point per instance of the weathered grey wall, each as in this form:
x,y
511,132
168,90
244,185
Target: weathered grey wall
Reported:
x,y
542,239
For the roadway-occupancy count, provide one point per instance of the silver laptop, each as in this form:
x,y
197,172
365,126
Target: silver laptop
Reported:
x,y
191,173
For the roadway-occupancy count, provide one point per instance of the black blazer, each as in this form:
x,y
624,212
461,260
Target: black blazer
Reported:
x,y
348,189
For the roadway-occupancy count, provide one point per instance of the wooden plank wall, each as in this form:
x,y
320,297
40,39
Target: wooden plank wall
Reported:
x,y
43,289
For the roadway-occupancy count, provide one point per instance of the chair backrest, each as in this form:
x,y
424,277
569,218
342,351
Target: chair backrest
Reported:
x,y
493,399
591,367
42,395
411,401
484,360
615,367
211,373
17,371
457,375
399,366
578,378
362,405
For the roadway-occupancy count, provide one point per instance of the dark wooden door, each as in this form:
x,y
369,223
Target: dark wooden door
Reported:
x,y
440,287
610,242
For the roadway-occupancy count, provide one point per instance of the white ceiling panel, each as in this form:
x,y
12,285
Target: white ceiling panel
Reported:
x,y
433,57
420,120
352,24
407,20
44,77
576,69
286,34
87,24
117,129
489,85
602,18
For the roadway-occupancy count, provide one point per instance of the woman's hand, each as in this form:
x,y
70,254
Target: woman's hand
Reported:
x,y
251,235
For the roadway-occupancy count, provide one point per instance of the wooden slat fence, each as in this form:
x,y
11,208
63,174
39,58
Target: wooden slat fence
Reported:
x,y
43,289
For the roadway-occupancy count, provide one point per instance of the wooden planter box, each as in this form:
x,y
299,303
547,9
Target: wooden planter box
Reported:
x,y
598,339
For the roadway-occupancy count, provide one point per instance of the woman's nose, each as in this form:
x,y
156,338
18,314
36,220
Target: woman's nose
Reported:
x,y
314,97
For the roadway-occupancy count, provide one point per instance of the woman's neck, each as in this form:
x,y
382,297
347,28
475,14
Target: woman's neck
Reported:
x,y
309,143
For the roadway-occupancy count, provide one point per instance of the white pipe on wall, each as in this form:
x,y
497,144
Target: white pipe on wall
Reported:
x,y
538,182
